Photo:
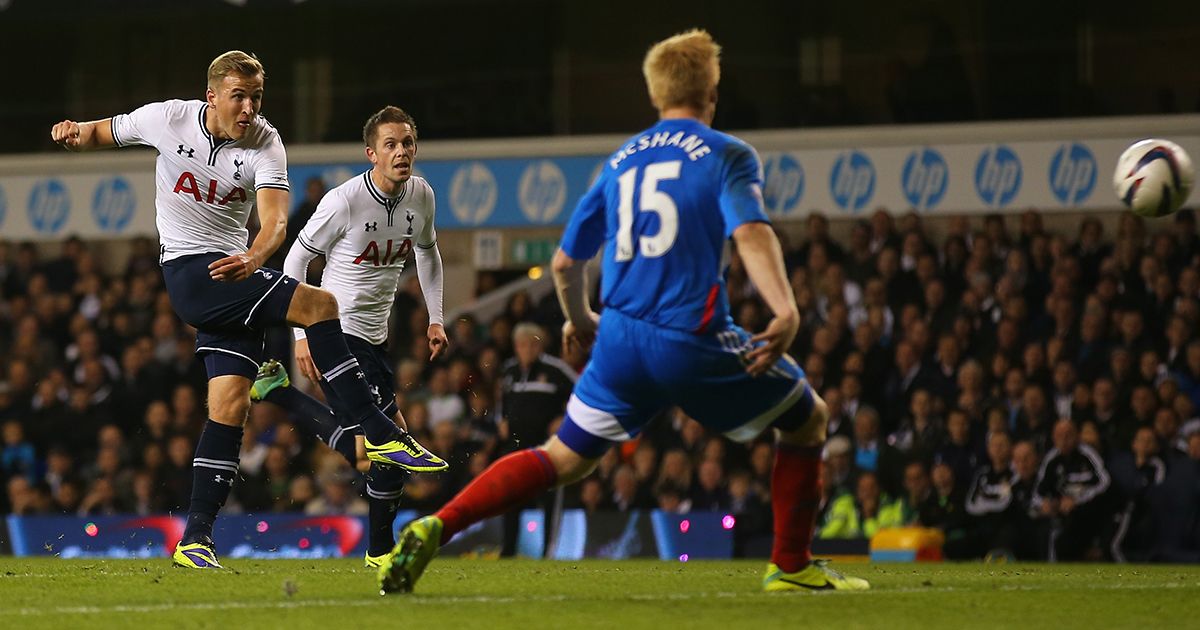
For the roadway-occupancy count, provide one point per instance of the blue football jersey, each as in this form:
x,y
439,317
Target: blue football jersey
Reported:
x,y
664,207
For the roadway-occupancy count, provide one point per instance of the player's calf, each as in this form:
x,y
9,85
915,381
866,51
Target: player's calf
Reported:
x,y
316,310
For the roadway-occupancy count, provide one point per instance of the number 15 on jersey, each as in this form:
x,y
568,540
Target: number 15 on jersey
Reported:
x,y
651,200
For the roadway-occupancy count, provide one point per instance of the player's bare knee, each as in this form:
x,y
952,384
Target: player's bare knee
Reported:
x,y
568,465
311,305
228,409
325,306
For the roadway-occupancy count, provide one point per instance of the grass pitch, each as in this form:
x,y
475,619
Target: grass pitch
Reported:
x,y
295,594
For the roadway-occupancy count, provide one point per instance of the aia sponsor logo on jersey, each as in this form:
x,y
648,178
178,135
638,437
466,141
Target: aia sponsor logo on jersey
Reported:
x,y
375,255
187,185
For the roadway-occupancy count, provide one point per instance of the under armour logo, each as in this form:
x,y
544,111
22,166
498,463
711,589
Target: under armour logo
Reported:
x,y
237,173
409,215
220,479
183,150
372,226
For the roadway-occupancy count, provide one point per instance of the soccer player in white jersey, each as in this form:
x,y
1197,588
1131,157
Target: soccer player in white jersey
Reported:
x,y
217,158
365,229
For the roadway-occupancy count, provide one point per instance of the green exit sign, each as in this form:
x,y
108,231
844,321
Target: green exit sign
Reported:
x,y
533,251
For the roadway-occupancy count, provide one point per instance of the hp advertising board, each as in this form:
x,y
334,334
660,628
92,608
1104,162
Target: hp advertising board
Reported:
x,y
89,206
543,190
1072,173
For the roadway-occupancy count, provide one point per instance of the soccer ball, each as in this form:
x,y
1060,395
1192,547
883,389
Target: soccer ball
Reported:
x,y
1154,177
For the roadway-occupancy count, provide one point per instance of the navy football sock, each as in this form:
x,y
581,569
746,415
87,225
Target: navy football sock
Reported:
x,y
213,471
385,485
317,419
340,369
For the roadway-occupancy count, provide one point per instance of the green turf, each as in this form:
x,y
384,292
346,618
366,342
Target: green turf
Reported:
x,y
139,594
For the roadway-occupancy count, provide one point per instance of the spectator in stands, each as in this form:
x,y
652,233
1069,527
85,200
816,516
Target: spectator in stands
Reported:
x,y
992,503
839,458
444,403
709,492
949,514
872,453
676,472
1033,420
17,455
862,514
1136,474
959,450
918,504
672,499
591,496
534,389
1072,490
337,497
629,494
921,432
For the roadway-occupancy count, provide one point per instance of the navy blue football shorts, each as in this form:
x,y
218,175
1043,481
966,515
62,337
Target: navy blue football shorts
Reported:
x,y
230,318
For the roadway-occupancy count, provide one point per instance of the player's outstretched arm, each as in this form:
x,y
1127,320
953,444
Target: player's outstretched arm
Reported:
x,y
272,216
570,283
760,251
86,136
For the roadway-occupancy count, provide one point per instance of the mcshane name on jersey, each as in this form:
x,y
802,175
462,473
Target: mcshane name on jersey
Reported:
x,y
692,144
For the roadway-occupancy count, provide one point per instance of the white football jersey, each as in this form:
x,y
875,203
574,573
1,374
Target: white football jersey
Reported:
x,y
204,187
366,237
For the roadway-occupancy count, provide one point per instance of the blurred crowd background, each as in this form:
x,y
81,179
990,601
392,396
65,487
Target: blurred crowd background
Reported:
x,y
1029,393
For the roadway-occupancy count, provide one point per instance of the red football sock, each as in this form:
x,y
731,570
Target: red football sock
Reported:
x,y
510,482
795,498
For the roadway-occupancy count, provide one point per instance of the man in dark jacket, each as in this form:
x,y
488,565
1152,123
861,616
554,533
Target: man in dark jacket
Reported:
x,y
1072,489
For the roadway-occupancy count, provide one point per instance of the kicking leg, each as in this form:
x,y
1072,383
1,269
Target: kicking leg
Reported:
x,y
274,386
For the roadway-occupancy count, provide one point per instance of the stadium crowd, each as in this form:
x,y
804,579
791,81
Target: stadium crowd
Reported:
x,y
1029,393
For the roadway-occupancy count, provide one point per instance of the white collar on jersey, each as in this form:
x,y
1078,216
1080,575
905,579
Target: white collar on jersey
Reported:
x,y
388,203
213,144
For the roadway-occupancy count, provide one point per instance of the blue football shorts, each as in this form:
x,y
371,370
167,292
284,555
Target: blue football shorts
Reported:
x,y
639,369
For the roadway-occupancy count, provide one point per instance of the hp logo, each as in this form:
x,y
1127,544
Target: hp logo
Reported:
x,y
998,176
49,205
924,178
852,182
542,191
473,193
783,183
1072,173
113,204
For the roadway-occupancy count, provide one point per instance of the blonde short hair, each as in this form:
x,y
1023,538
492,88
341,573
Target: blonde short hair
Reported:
x,y
683,70
233,62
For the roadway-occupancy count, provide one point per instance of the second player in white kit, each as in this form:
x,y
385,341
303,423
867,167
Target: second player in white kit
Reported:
x,y
366,228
